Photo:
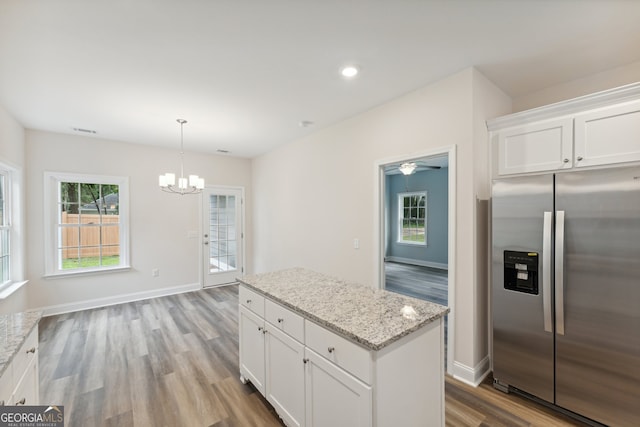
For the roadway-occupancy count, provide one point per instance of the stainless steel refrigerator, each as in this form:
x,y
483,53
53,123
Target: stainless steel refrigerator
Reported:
x,y
566,291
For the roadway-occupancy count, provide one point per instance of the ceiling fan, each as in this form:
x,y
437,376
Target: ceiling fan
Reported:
x,y
408,168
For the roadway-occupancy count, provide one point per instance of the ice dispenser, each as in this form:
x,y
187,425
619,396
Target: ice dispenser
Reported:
x,y
521,271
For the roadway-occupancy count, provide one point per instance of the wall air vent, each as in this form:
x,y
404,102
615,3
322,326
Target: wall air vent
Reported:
x,y
84,130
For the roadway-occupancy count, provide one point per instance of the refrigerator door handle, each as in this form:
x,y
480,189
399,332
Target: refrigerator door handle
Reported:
x,y
559,265
546,270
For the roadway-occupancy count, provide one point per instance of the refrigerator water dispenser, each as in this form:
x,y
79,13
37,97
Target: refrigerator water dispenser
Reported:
x,y
521,271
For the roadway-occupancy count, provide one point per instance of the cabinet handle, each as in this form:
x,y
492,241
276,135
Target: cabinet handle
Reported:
x,y
280,320
331,349
566,160
248,301
260,328
305,360
264,331
580,158
31,350
21,401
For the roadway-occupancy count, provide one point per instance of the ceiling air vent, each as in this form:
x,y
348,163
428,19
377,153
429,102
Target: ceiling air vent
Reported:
x,y
84,130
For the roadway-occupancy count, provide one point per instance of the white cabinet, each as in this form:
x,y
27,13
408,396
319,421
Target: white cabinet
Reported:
x,y
251,343
334,397
19,384
602,129
285,375
537,147
271,359
608,135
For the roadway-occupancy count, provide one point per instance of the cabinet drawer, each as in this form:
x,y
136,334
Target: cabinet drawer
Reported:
x,y
344,353
252,300
285,320
25,355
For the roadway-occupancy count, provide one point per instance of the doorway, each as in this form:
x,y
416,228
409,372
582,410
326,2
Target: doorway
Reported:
x,y
416,230
223,254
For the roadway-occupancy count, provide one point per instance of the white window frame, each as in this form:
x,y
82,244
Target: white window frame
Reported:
x,y
401,197
5,225
12,198
52,182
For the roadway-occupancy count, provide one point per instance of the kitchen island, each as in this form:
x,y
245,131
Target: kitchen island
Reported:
x,y
325,352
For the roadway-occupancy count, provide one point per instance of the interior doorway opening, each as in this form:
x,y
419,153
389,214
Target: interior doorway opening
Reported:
x,y
416,224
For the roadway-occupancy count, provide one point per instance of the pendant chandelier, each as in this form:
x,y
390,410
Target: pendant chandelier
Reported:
x,y
192,185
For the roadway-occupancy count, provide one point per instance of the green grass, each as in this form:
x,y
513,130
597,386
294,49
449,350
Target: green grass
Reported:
x,y
71,263
413,238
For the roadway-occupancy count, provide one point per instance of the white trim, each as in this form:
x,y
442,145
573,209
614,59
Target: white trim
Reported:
x,y
419,262
472,376
87,272
242,271
11,288
379,231
51,180
571,106
52,310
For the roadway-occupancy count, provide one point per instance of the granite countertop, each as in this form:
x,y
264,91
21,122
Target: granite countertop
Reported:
x,y
371,317
14,329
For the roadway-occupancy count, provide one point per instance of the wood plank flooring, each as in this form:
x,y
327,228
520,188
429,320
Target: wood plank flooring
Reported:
x,y
173,361
170,361
426,283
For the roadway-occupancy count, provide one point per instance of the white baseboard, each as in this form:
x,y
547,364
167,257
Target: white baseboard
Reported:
x,y
52,310
417,262
472,376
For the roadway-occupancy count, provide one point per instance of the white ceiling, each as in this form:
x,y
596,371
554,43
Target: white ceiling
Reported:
x,y
244,73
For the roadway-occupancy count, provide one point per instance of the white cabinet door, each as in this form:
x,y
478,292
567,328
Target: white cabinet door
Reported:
x,y
333,397
285,375
27,390
608,135
537,147
6,387
251,329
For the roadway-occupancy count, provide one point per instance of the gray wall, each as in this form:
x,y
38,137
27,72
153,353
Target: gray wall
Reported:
x,y
436,184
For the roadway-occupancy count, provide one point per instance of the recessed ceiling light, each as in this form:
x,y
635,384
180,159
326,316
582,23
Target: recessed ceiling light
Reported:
x,y
349,71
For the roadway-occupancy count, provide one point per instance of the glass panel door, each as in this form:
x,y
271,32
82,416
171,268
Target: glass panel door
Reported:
x,y
222,236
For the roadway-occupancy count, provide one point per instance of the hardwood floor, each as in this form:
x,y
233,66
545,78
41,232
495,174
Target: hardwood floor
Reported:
x,y
173,361
426,283
170,361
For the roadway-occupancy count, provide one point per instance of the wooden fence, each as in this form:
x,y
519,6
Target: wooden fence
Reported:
x,y
86,239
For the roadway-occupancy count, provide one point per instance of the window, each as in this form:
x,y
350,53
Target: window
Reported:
x,y
87,223
412,217
5,227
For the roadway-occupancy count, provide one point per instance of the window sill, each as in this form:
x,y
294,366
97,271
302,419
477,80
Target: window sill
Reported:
x,y
412,243
85,272
11,288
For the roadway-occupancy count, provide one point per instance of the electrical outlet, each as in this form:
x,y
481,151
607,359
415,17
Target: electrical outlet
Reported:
x,y
356,243
155,272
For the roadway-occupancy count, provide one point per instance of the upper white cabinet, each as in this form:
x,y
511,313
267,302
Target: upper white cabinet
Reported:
x,y
590,131
608,135
537,147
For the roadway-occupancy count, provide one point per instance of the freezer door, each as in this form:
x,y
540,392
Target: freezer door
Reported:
x,y
522,348
598,354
